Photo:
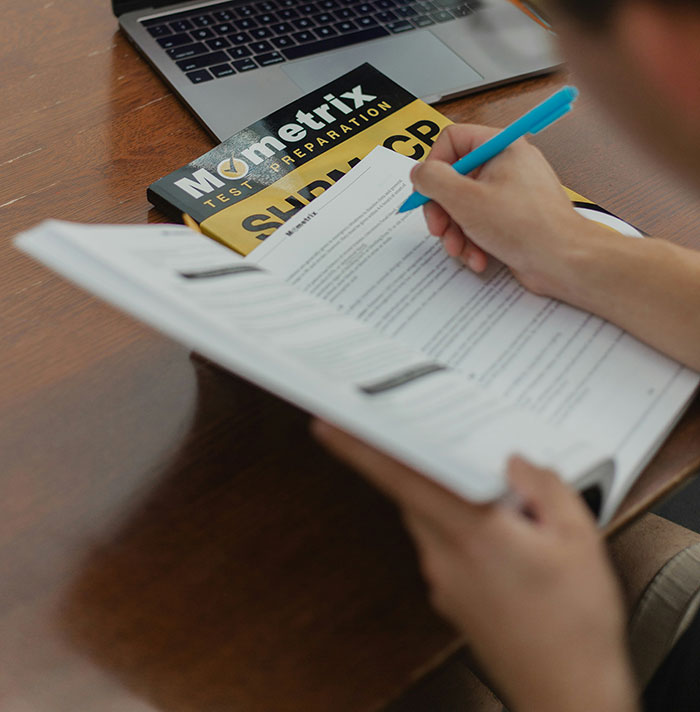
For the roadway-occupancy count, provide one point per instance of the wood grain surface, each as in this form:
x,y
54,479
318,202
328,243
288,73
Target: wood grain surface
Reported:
x,y
170,536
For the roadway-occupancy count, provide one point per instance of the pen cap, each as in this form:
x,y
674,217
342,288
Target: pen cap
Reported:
x,y
554,108
550,119
570,92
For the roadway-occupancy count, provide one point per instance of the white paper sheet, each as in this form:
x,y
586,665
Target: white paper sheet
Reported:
x,y
568,367
299,347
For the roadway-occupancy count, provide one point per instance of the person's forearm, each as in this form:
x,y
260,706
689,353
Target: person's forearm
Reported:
x,y
649,287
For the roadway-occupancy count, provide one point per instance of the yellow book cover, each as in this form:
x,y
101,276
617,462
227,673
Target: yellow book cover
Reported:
x,y
249,185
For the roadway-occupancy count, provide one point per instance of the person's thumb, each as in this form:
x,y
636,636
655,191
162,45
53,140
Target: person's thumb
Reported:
x,y
456,193
544,495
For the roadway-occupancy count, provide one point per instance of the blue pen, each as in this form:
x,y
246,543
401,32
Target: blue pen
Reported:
x,y
532,122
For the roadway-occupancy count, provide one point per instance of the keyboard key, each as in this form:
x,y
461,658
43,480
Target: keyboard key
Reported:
x,y
181,25
203,34
310,48
247,23
405,11
201,60
282,28
303,23
265,60
385,4
239,38
174,40
386,16
222,70
364,8
442,16
159,30
325,31
225,28
239,53
288,13
462,11
187,51
246,11
199,76
345,26
266,19
307,8
288,3
245,65
364,21
424,6
283,41
325,18
223,15
399,26
345,13
328,4
218,43
203,20
422,21
268,6
259,47
261,33
304,36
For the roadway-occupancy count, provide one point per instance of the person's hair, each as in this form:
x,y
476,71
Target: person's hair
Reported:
x,y
594,12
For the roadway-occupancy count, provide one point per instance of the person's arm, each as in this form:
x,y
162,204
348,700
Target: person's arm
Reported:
x,y
532,592
515,209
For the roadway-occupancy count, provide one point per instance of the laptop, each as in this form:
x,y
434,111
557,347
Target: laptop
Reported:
x,y
234,61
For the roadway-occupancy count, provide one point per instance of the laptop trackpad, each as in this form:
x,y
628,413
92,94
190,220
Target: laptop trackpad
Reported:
x,y
413,60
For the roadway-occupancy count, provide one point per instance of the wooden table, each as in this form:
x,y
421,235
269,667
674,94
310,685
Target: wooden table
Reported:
x,y
170,536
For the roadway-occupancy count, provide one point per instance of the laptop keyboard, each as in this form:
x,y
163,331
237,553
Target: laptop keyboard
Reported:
x,y
225,39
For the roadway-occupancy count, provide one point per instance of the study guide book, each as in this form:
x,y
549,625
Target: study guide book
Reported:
x,y
251,183
354,313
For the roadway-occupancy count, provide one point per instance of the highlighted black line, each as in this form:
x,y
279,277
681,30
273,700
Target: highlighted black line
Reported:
x,y
220,271
402,378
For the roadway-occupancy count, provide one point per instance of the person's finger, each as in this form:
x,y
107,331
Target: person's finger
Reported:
x,y
460,196
437,558
467,536
453,240
457,140
546,497
474,257
426,533
436,219
453,243
457,244
411,490
441,225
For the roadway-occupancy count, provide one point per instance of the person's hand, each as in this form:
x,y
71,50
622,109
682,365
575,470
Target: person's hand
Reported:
x,y
512,207
532,592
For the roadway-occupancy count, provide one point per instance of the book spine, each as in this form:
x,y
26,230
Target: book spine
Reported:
x,y
167,206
